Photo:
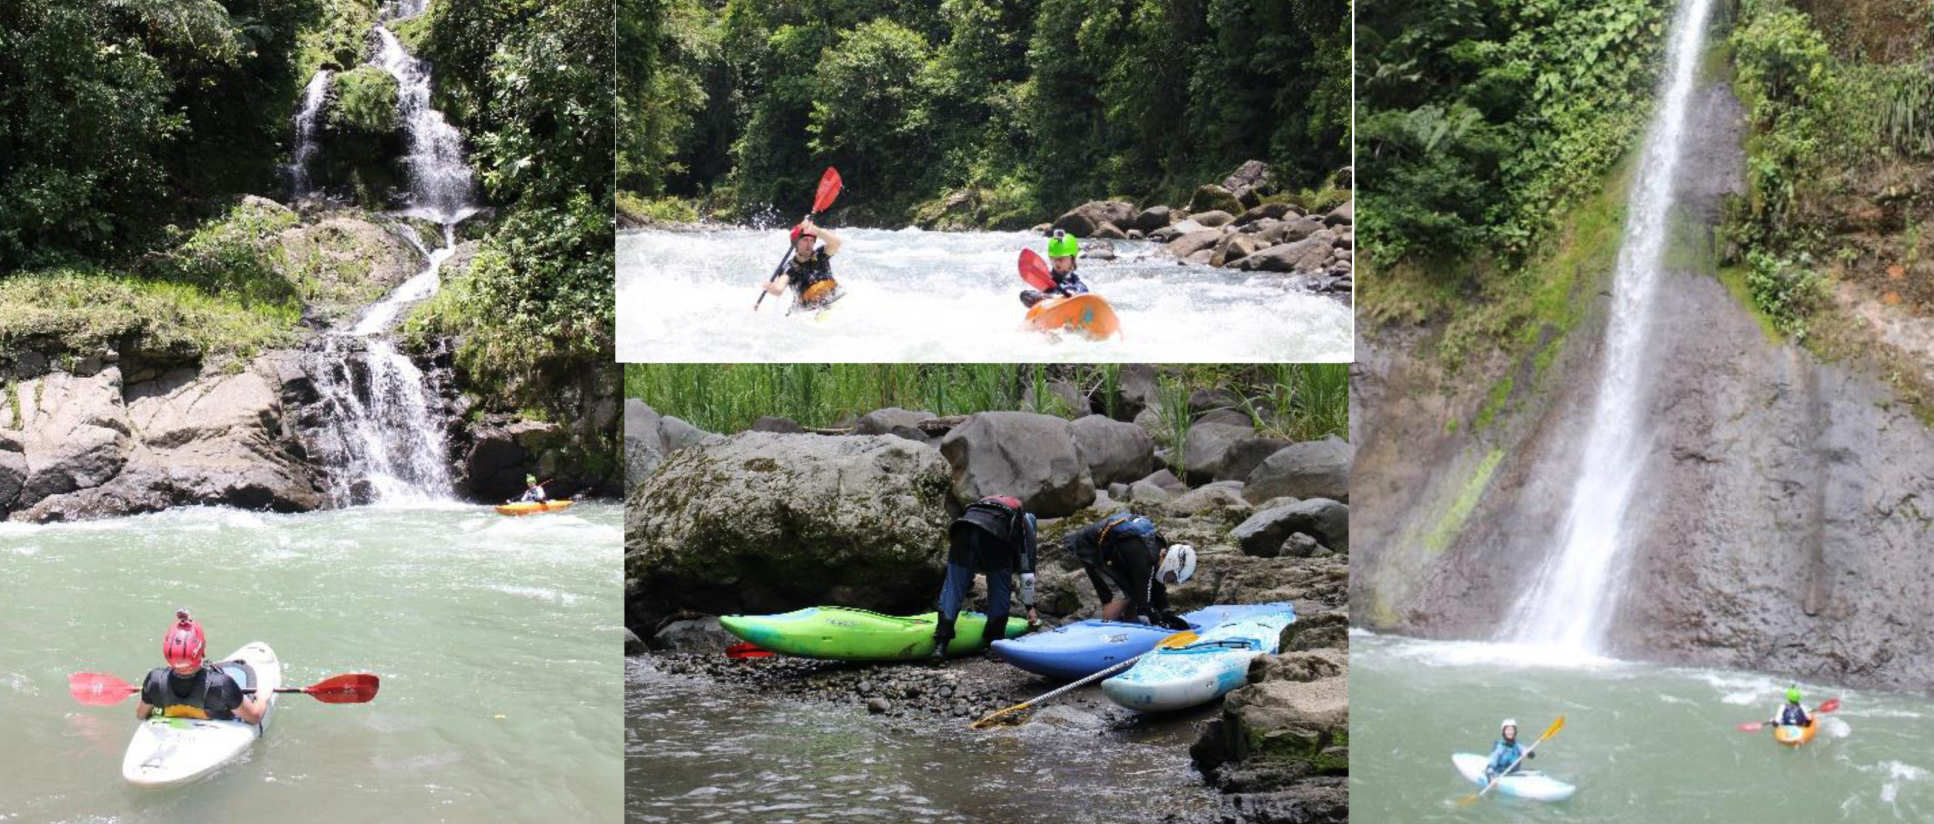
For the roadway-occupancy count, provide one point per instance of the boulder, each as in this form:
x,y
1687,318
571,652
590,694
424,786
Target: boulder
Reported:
x,y
1062,394
1312,469
693,635
1292,228
1299,726
644,447
1193,242
1266,211
1233,247
1213,218
1310,254
893,420
1325,520
1232,417
1248,196
1209,197
1105,231
502,451
1252,173
1222,452
1113,451
1344,215
677,434
1023,454
1203,400
73,433
773,423
1083,220
1143,492
1152,218
1100,248
1213,496
767,522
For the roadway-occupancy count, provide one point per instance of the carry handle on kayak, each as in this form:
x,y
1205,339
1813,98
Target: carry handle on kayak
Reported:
x,y
829,186
1557,725
1177,640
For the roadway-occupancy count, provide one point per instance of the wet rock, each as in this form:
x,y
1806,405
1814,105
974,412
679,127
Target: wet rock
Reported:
x,y
1252,174
1113,451
1083,220
1153,218
1106,231
1199,240
1290,230
1312,469
1233,247
693,635
633,644
764,522
1329,629
1221,452
1264,532
1307,255
1266,211
877,706
1343,215
1030,456
1214,218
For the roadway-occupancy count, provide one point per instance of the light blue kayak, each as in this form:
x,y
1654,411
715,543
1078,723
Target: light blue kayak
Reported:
x,y
1529,784
1173,679
1084,648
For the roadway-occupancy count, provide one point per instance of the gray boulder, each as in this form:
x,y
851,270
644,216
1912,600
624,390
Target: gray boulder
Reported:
x,y
1213,218
1029,456
1152,218
1083,220
1311,254
1344,215
1193,242
1210,197
644,447
1113,451
1325,520
1222,452
1312,469
773,423
1233,247
1227,495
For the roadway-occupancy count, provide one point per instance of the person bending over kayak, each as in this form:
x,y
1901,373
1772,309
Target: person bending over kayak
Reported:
x,y
533,491
1125,549
189,688
1791,713
993,537
1062,249
1507,753
809,269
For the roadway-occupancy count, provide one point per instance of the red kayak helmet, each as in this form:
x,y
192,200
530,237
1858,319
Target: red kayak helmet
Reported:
x,y
1008,501
799,231
184,643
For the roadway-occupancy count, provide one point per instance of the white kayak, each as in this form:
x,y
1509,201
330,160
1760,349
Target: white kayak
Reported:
x,y
170,751
1175,678
1529,784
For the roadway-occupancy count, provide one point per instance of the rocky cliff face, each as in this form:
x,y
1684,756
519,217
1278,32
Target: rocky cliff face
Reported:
x,y
1782,520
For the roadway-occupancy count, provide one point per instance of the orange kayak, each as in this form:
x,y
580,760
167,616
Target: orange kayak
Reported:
x,y
1794,736
532,507
1087,314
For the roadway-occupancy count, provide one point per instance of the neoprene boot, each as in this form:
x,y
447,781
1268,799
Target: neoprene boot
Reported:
x,y
943,634
995,630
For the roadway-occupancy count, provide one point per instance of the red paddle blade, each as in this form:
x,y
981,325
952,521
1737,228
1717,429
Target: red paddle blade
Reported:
x,y
829,185
98,690
738,652
1752,726
345,689
1828,705
1034,270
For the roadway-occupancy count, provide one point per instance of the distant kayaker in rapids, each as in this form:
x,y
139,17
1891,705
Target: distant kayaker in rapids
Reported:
x,y
186,688
1791,713
1507,755
809,271
533,491
1127,550
1062,249
993,537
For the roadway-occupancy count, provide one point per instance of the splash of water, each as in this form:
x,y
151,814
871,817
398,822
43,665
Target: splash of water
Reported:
x,y
306,146
1571,602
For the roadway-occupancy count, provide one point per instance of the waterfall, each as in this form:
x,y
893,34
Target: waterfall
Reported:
x,y
313,96
441,185
1571,602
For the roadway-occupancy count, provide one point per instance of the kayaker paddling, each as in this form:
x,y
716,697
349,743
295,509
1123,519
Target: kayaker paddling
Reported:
x,y
1507,757
993,537
188,688
1126,550
1792,714
533,491
808,272
1062,249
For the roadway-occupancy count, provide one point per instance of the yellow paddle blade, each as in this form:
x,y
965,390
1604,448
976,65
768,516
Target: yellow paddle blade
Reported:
x,y
1553,729
1180,639
998,714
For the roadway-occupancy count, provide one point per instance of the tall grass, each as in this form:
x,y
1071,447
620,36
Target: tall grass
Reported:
x,y
1294,401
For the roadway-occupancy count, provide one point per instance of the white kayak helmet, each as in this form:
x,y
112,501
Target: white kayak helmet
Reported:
x,y
1509,724
1178,563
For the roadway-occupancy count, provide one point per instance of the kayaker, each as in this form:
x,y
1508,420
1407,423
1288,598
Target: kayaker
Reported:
x,y
1062,249
188,688
1126,550
809,270
1507,755
1791,713
993,537
533,491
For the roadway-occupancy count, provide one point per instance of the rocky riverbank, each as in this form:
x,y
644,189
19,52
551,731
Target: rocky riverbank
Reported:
x,y
778,518
106,419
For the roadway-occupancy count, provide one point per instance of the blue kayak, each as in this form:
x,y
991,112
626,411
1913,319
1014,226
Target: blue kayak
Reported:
x,y
1086,647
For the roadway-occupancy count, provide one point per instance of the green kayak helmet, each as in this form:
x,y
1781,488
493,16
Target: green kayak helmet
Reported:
x,y
1062,245
1793,695
530,479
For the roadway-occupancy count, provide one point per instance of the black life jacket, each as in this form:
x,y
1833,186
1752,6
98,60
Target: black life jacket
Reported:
x,y
804,273
179,698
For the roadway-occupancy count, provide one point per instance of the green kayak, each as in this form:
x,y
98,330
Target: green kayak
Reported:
x,y
844,634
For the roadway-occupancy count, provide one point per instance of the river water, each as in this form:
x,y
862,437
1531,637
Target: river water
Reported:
x,y
913,295
697,751
1644,743
497,640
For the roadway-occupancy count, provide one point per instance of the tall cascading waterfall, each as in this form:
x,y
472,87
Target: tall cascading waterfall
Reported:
x,y
391,422
1570,604
306,147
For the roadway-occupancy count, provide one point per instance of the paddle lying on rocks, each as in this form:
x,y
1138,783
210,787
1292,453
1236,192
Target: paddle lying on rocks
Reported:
x,y
1825,707
1550,731
1180,639
102,690
829,186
